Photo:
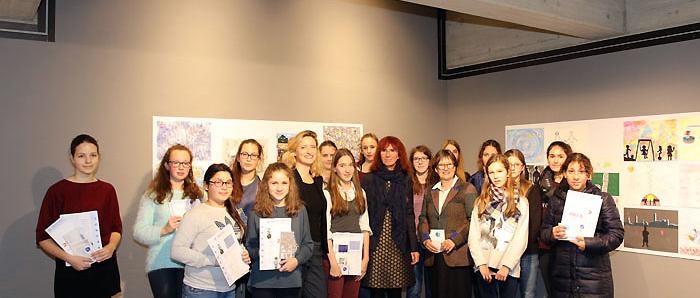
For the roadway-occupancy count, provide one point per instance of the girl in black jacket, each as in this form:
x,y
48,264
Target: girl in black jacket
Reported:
x,y
581,267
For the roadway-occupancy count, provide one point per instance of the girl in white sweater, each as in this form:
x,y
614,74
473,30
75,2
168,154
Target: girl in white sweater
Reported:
x,y
498,231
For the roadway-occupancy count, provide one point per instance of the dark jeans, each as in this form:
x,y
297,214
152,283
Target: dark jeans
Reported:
x,y
422,279
275,293
496,288
166,282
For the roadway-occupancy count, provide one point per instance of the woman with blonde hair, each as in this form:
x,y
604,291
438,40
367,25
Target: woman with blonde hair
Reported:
x,y
498,231
301,157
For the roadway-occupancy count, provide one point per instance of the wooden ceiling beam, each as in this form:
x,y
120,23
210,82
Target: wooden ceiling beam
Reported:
x,y
589,19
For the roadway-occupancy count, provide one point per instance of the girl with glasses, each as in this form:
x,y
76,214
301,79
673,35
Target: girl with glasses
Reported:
x,y
278,198
155,224
203,276
446,213
421,177
498,231
245,173
529,262
581,267
97,275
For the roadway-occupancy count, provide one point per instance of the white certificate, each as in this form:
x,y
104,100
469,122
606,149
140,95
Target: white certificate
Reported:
x,y
77,233
437,236
348,252
270,231
228,253
580,216
180,207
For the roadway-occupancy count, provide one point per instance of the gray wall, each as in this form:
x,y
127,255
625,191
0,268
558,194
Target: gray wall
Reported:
x,y
115,64
656,80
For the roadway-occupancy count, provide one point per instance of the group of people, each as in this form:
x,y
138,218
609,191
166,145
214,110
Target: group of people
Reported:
x,y
427,225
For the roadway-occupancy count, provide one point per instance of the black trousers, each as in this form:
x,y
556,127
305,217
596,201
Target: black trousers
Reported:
x,y
275,293
313,283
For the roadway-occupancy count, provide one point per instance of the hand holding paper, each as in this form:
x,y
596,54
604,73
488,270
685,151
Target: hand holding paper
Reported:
x,y
580,216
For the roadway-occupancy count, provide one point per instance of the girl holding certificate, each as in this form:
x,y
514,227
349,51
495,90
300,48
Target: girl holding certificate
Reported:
x,y
98,275
444,228
393,247
529,262
278,198
581,267
173,189
346,213
498,231
203,276
302,158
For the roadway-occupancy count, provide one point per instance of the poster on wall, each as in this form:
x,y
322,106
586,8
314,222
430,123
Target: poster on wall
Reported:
x,y
217,140
649,164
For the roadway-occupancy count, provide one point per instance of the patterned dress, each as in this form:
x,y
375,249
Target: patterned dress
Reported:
x,y
388,266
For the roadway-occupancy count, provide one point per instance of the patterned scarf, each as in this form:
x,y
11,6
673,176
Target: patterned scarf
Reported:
x,y
494,210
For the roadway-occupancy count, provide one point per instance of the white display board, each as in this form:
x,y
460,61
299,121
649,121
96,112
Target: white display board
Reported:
x,y
651,166
217,140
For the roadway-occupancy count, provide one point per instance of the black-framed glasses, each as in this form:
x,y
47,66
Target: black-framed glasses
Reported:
x,y
177,164
246,155
220,184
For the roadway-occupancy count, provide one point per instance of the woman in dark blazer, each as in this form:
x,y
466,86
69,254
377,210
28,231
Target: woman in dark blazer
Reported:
x,y
447,209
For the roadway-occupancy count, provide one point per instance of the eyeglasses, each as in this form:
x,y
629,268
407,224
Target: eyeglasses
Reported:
x,y
246,155
420,159
219,183
445,166
177,164
577,173
516,165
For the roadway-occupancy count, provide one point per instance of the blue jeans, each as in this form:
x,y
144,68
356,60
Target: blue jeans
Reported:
x,y
531,283
190,292
495,288
422,279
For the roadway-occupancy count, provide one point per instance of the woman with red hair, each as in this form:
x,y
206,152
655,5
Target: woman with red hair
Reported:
x,y
393,246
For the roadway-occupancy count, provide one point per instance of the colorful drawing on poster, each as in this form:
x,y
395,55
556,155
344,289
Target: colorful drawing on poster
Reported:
x,y
607,182
534,172
689,146
651,229
528,140
195,135
689,232
344,137
651,184
689,185
653,140
282,141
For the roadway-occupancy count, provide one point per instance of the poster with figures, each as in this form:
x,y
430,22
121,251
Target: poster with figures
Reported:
x,y
649,164
217,140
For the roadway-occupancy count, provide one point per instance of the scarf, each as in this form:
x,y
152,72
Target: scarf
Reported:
x,y
495,208
390,190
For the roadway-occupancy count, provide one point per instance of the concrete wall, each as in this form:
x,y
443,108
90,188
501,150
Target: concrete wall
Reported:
x,y
115,64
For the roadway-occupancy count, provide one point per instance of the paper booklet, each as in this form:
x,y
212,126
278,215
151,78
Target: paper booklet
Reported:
x,y
348,252
580,216
77,233
437,237
228,253
272,249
